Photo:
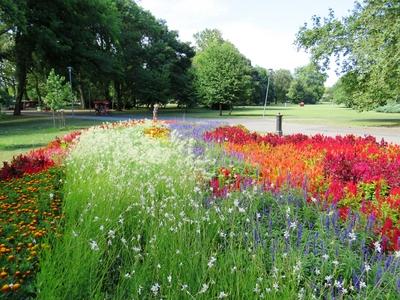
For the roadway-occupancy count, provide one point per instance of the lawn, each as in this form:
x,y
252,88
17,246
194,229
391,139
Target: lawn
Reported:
x,y
24,133
325,113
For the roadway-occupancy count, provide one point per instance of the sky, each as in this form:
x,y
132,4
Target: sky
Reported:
x,y
264,31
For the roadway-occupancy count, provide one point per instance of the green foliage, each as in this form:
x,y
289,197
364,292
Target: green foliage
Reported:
x,y
307,85
389,108
260,78
58,93
366,45
282,80
206,37
222,75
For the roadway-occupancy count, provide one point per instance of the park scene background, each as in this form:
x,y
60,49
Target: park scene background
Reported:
x,y
144,157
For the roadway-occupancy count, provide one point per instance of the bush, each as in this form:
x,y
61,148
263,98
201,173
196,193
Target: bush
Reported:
x,y
389,108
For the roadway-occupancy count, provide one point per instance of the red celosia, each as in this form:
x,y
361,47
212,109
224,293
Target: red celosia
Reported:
x,y
37,160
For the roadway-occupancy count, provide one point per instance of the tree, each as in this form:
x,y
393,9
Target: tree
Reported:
x,y
206,37
58,34
222,75
307,85
263,79
58,93
282,80
365,45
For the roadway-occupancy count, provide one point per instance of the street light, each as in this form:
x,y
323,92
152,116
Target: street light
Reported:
x,y
266,94
70,83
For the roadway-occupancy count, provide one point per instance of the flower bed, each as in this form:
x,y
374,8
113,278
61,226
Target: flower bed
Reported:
x,y
351,172
151,211
30,207
38,160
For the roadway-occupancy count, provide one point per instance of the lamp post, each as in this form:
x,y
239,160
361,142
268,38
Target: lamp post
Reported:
x,y
266,94
70,83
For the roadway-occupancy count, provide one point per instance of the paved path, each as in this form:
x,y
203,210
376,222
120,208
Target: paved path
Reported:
x,y
268,125
290,127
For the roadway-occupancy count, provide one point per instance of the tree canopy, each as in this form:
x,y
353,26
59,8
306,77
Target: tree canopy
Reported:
x,y
366,47
116,49
222,75
307,85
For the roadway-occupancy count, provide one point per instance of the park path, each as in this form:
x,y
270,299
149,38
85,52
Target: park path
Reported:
x,y
268,124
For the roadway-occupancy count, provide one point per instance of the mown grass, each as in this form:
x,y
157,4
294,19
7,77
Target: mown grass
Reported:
x,y
24,133
324,114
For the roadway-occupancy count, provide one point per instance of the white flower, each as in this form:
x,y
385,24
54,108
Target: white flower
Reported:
x,y
352,236
317,272
268,290
335,262
367,267
128,275
328,278
337,284
275,286
362,285
184,287
155,288
204,288
233,269
222,295
286,234
211,262
397,254
51,195
169,278
344,290
94,246
197,189
101,227
377,246
325,256
111,234
293,225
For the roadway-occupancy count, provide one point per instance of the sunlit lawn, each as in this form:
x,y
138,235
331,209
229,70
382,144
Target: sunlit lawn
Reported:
x,y
21,134
313,114
324,114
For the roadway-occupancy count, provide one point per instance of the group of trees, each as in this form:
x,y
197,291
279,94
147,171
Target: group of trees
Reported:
x,y
366,47
119,51
225,77
116,50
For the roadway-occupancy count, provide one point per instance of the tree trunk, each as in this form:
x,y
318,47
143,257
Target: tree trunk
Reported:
x,y
118,94
37,89
82,98
80,90
220,109
230,108
22,55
